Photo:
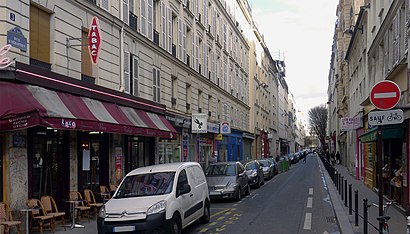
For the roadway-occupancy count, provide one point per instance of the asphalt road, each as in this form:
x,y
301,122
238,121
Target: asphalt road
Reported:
x,y
296,201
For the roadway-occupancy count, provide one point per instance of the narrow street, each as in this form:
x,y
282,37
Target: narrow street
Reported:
x,y
292,202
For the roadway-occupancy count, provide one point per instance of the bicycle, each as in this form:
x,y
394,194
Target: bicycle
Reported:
x,y
384,218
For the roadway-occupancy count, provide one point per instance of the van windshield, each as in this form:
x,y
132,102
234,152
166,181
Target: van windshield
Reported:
x,y
146,185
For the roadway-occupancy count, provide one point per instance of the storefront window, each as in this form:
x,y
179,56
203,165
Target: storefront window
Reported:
x,y
136,157
90,171
170,150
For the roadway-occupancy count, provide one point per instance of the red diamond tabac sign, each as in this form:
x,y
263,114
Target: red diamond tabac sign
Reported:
x,y
94,40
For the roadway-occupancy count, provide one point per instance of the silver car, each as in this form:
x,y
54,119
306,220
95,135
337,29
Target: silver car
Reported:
x,y
227,180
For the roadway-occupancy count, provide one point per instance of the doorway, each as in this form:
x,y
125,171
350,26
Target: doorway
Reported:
x,y
139,152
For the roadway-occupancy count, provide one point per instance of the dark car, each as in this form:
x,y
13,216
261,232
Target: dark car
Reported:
x,y
255,173
275,165
227,180
267,168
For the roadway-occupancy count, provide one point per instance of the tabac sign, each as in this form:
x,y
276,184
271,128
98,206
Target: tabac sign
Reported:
x,y
94,40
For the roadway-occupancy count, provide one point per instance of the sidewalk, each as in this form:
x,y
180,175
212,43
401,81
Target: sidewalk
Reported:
x,y
397,222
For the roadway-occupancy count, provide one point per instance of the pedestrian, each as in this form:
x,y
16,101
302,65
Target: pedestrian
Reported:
x,y
213,158
338,157
304,156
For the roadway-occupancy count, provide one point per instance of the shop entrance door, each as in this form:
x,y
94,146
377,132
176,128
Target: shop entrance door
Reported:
x,y
140,153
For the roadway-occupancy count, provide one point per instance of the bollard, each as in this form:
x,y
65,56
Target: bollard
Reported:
x,y
356,208
345,193
337,180
341,187
350,199
365,216
408,224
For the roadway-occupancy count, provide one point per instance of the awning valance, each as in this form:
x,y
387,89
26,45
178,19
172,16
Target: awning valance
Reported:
x,y
388,132
23,106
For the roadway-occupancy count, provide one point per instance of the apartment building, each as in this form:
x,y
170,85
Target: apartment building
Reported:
x,y
377,51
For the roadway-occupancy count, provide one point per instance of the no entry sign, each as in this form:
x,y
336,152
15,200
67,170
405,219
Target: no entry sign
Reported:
x,y
385,95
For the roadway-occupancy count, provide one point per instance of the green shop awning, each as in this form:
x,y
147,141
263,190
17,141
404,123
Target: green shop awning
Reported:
x,y
388,132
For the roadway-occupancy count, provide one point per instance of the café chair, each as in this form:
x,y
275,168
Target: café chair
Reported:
x,y
80,206
40,215
90,200
50,207
6,219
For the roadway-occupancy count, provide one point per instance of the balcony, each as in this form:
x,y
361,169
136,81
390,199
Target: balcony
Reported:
x,y
156,37
40,64
173,101
174,50
133,22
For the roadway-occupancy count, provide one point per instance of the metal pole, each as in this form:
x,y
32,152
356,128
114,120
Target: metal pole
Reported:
x,y
365,216
350,199
380,174
341,186
345,193
356,208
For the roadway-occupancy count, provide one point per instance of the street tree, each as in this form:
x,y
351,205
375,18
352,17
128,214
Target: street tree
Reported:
x,y
317,118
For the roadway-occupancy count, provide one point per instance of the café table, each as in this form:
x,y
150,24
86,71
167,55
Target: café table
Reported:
x,y
27,211
72,204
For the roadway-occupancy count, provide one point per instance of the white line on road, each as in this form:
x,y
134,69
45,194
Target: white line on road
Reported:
x,y
309,202
308,221
310,191
254,196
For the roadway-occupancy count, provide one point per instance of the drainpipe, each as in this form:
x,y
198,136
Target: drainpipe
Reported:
x,y
122,82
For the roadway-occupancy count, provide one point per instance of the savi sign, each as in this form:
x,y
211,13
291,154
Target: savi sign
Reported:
x,y
394,116
94,40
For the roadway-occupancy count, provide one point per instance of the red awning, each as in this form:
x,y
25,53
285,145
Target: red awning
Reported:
x,y
23,106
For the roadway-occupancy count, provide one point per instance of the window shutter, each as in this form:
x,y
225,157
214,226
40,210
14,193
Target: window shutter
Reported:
x,y
163,42
127,72
396,39
158,86
197,53
169,29
179,54
125,11
150,19
193,50
184,43
143,14
135,76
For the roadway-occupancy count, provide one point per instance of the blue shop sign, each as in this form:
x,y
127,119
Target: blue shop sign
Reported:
x,y
16,39
213,128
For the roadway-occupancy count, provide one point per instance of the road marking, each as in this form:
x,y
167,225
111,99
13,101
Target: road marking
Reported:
x,y
309,202
254,196
308,221
212,224
203,230
220,212
310,191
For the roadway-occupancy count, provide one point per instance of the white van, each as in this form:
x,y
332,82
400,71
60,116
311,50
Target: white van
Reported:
x,y
161,198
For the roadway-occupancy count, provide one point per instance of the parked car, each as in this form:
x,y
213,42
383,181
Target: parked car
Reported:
x,y
275,165
227,180
293,158
162,198
255,173
267,168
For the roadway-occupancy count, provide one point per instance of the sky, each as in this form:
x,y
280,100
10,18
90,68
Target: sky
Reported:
x,y
303,31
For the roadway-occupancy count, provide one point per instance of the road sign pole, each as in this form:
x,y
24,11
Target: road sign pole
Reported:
x,y
379,173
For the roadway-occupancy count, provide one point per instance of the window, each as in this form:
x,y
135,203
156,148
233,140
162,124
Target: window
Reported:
x,y
163,41
147,14
156,85
104,4
39,35
134,75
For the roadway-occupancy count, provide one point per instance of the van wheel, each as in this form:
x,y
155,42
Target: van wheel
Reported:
x,y
207,214
248,189
176,225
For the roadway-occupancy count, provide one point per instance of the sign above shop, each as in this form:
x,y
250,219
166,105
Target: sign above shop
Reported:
x,y
225,128
213,128
199,123
94,40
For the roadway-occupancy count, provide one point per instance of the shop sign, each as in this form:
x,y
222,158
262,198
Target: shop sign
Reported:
x,y
199,123
386,117
20,122
94,40
16,39
225,128
218,137
213,128
350,123
68,124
